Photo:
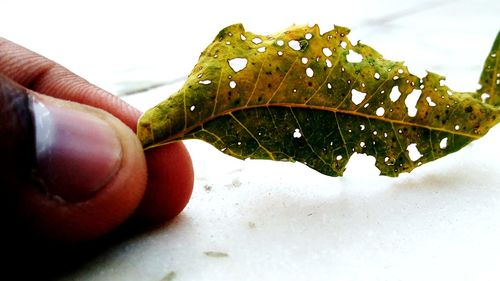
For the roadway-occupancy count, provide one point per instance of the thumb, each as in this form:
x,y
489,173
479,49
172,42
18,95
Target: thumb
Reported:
x,y
74,171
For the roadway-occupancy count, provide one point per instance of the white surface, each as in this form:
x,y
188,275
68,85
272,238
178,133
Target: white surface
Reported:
x,y
281,221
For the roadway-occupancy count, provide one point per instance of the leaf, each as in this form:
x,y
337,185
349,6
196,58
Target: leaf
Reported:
x,y
302,96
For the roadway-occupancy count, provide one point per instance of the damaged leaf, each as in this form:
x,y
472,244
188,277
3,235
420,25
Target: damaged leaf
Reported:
x,y
316,98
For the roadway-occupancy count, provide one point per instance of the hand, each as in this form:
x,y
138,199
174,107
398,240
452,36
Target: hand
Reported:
x,y
71,166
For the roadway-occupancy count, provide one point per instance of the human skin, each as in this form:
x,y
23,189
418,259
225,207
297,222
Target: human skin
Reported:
x,y
153,185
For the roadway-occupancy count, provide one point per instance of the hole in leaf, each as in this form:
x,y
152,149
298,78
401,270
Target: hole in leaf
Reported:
x,y
328,63
376,75
339,157
411,102
380,111
327,52
238,64
443,143
280,53
257,40
242,37
192,108
357,96
297,134
362,144
329,85
362,127
361,164
457,127
232,84
343,44
485,97
354,57
413,152
430,102
308,36
309,72
261,49
280,43
294,44
304,60
395,94
205,82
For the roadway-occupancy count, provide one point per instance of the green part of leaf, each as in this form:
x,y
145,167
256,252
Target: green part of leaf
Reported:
x,y
316,98
490,77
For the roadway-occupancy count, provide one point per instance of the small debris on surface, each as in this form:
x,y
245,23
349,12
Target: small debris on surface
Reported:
x,y
169,277
207,187
234,183
215,254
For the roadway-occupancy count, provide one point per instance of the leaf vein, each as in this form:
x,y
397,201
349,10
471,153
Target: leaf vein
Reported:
x,y
255,84
270,154
305,138
282,80
218,90
324,82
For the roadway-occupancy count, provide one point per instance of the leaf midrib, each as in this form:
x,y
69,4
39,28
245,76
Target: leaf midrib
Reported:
x,y
180,134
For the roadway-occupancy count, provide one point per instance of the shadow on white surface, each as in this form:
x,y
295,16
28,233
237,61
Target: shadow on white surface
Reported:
x,y
284,221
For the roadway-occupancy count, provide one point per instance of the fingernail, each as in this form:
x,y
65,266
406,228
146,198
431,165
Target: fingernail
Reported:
x,y
77,152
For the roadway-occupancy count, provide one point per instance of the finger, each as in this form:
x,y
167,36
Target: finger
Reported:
x,y
88,172
42,75
171,182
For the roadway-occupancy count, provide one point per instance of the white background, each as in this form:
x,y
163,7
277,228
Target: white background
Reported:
x,y
279,221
